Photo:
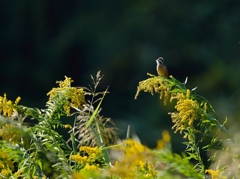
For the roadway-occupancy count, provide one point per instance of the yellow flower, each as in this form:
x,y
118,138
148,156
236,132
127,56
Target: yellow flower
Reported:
x,y
80,159
166,136
7,107
78,176
88,156
18,173
6,165
66,83
90,150
7,162
10,133
155,84
67,126
215,174
90,167
177,96
5,172
71,96
132,163
147,169
1,165
187,112
160,144
134,150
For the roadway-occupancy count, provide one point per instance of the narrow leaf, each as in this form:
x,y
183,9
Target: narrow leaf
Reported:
x,y
95,111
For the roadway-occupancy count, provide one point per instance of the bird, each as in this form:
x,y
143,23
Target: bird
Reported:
x,y
161,68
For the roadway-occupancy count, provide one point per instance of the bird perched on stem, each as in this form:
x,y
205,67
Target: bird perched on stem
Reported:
x,y
161,68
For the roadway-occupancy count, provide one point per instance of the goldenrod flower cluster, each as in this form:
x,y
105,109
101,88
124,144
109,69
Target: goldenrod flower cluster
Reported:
x,y
88,157
166,138
155,84
7,107
10,133
147,169
73,96
188,109
187,112
136,161
215,174
6,165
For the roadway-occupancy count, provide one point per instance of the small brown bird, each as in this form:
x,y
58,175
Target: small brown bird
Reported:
x,y
161,68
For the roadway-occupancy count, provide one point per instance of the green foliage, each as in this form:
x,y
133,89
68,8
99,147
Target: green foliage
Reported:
x,y
100,133
194,115
40,151
34,148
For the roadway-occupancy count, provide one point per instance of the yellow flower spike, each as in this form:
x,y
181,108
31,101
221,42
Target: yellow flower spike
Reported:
x,y
6,106
17,100
67,126
166,136
188,93
89,150
147,169
187,113
18,173
154,84
66,83
90,167
4,156
215,174
88,155
5,172
72,96
79,159
160,144
1,165
133,153
10,133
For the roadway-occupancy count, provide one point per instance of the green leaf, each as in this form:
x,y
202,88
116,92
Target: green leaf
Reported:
x,y
95,111
177,90
128,133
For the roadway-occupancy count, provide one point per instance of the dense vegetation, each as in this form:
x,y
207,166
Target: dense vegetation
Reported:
x,y
94,149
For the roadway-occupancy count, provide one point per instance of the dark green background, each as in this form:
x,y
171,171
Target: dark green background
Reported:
x,y
41,41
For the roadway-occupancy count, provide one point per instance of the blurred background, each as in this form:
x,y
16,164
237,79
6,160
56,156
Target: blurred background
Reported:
x,y
41,41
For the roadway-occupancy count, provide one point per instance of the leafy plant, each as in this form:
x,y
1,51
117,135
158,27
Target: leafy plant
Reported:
x,y
90,127
194,115
93,149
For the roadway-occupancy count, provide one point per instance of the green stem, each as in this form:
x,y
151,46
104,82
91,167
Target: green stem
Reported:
x,y
100,144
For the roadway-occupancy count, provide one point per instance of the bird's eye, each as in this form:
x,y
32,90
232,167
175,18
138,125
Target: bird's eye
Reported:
x,y
160,62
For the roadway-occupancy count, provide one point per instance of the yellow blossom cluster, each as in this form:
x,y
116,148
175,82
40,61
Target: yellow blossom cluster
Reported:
x,y
187,107
74,96
88,157
155,84
147,169
10,133
7,107
43,177
6,165
187,112
136,161
166,138
215,174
